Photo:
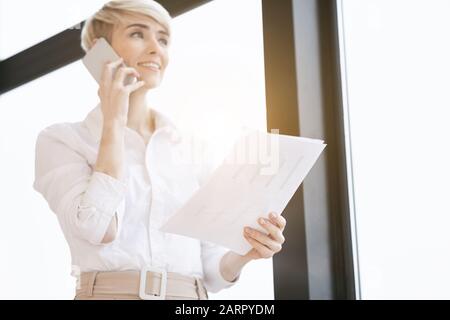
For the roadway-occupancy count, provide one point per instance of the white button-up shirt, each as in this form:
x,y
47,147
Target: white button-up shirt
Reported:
x,y
156,184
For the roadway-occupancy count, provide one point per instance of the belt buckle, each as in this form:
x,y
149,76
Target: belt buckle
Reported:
x,y
143,283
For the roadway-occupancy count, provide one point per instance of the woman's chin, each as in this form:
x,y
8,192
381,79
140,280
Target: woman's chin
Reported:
x,y
150,84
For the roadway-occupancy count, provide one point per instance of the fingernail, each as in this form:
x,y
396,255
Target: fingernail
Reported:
x,y
262,221
247,230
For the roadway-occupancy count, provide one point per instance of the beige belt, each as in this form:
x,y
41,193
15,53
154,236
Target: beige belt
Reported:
x,y
149,284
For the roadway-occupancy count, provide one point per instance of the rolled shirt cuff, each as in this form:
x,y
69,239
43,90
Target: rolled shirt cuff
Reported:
x,y
103,198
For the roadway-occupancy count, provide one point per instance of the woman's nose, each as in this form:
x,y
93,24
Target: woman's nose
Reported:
x,y
153,46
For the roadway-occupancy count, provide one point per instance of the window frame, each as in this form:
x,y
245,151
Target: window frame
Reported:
x,y
303,97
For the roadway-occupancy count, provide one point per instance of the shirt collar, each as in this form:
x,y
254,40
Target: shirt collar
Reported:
x,y
94,123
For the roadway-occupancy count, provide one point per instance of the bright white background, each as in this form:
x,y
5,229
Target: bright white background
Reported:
x,y
214,84
398,71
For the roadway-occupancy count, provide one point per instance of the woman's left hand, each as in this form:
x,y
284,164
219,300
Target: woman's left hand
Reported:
x,y
265,246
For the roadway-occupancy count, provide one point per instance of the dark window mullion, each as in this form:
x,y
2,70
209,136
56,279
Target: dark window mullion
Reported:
x,y
303,98
61,50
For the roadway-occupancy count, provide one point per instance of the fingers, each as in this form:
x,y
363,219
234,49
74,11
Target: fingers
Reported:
x,y
115,64
264,240
135,86
273,229
108,70
262,249
277,220
267,244
122,73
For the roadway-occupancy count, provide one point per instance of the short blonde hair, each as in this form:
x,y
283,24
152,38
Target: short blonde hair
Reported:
x,y
102,23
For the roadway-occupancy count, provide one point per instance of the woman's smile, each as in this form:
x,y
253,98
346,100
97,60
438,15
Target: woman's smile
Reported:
x,y
154,66
149,68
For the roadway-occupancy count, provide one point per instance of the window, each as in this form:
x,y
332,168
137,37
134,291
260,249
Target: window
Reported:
x,y
395,57
216,70
26,23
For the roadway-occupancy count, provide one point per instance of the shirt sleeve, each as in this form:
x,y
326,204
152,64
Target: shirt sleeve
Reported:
x,y
212,277
84,201
211,253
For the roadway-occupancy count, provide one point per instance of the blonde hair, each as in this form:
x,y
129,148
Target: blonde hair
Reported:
x,y
102,23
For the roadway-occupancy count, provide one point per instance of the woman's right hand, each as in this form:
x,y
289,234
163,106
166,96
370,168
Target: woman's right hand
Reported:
x,y
114,94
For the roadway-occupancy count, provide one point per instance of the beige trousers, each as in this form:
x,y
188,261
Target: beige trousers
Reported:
x,y
125,285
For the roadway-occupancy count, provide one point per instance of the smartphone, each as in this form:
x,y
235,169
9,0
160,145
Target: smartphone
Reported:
x,y
98,55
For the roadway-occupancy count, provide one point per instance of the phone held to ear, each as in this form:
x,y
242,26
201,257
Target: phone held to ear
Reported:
x,y
98,55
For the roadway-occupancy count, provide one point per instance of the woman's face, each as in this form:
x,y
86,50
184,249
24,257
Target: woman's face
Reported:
x,y
140,41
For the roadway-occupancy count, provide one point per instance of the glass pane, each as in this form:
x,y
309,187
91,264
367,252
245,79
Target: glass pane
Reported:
x,y
215,77
36,259
397,76
24,23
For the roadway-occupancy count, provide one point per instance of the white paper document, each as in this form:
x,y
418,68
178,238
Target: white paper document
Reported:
x,y
260,175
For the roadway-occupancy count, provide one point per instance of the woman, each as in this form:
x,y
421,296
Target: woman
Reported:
x,y
112,183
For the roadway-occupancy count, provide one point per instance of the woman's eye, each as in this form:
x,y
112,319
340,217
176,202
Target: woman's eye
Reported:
x,y
138,32
141,35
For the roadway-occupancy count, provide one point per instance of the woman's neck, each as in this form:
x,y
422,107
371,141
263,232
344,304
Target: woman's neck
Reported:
x,y
140,117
